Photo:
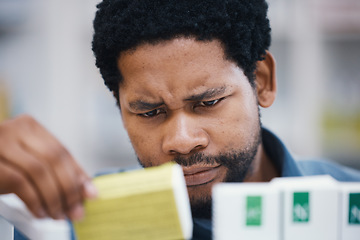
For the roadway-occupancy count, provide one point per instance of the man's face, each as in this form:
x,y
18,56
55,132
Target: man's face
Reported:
x,y
183,101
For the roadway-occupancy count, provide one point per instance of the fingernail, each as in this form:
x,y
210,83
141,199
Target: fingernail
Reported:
x,y
77,212
41,213
90,190
60,216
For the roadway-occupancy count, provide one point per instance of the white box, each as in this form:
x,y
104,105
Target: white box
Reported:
x,y
350,208
16,213
311,207
246,211
6,230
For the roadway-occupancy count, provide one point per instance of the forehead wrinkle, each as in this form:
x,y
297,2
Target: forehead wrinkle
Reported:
x,y
179,80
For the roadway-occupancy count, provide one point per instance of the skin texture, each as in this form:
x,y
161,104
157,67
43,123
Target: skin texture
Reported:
x,y
181,100
35,166
183,97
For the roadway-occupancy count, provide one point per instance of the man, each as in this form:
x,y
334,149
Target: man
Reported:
x,y
183,76
188,77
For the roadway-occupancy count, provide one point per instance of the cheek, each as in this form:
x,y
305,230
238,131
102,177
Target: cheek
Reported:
x,y
145,143
236,125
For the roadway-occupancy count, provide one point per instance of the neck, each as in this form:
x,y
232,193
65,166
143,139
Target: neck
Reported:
x,y
262,168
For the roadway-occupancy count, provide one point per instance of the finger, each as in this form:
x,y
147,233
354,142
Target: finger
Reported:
x,y
13,181
39,175
89,190
72,181
70,178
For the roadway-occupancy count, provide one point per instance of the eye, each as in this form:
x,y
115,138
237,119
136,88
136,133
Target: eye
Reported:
x,y
152,113
209,103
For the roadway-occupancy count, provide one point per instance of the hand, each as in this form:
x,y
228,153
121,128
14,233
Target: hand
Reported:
x,y
36,167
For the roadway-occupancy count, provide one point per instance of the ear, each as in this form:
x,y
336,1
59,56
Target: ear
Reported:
x,y
266,80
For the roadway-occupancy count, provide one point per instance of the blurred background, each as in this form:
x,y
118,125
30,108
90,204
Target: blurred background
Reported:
x,y
47,70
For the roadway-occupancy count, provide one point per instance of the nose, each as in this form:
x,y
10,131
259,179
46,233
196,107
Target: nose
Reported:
x,y
184,134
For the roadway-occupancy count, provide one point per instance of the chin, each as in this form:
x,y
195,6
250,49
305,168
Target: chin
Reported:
x,y
201,199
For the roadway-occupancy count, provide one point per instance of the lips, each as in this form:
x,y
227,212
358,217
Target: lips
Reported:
x,y
200,175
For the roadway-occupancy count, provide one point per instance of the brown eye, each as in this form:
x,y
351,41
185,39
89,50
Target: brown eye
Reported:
x,y
152,113
209,103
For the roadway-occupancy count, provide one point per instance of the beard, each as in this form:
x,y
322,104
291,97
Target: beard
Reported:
x,y
238,163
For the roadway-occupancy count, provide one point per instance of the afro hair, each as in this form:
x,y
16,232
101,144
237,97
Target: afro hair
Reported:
x,y
241,26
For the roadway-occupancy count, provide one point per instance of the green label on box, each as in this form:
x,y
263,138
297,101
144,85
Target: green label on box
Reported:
x,y
354,208
301,209
253,210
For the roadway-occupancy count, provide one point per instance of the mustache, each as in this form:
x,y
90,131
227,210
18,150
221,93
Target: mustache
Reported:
x,y
200,158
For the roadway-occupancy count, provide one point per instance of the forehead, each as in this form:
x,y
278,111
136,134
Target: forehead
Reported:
x,y
171,53
174,67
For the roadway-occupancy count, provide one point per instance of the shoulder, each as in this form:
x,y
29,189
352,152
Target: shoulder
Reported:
x,y
320,167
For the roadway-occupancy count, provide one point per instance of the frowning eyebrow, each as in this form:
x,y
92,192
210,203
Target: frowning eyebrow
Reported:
x,y
208,94
140,105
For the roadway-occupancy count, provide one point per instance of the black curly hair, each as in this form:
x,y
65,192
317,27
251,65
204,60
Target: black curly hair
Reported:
x,y
241,26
